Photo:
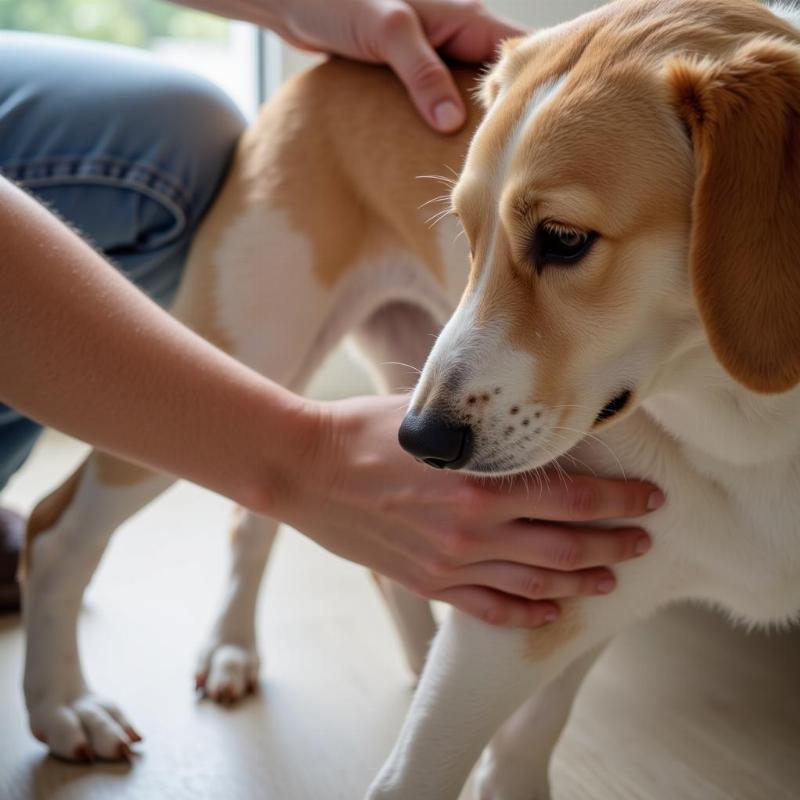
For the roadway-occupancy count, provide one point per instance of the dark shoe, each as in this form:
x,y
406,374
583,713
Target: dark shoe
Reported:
x,y
12,531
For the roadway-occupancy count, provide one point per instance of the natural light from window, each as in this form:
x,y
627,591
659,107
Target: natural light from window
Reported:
x,y
222,51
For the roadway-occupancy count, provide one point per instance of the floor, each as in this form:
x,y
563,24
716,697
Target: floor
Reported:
x,y
682,708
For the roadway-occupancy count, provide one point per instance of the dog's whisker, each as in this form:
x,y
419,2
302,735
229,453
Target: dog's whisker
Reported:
x,y
442,198
401,364
461,233
443,179
456,175
587,435
438,217
578,462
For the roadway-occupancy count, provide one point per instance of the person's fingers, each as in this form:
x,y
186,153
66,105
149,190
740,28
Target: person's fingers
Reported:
x,y
576,498
402,43
478,39
532,583
558,547
496,608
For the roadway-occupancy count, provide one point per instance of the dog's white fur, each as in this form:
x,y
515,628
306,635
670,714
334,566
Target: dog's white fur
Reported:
x,y
729,533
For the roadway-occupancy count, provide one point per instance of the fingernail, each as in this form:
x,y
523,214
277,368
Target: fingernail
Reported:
x,y
447,116
642,546
606,585
656,500
551,615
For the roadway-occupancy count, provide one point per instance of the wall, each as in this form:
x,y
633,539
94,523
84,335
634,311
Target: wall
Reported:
x,y
538,13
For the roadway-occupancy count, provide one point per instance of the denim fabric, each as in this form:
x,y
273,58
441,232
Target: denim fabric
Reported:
x,y
126,150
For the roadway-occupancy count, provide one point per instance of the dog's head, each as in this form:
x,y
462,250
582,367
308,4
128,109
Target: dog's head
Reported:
x,y
632,195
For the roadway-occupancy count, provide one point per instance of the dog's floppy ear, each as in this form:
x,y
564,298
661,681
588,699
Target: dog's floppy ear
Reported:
x,y
743,117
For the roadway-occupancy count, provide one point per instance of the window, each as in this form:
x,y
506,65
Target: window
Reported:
x,y
228,53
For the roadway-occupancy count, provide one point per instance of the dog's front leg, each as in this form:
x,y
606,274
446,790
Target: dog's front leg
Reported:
x,y
475,678
228,663
516,765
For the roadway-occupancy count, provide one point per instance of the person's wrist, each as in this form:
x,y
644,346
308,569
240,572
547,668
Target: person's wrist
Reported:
x,y
298,460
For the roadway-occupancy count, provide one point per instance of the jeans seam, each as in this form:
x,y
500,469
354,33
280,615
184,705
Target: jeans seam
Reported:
x,y
24,165
158,185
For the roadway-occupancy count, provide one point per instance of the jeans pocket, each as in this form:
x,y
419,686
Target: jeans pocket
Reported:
x,y
118,205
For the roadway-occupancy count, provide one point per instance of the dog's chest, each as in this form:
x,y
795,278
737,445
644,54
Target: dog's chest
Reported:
x,y
725,535
753,552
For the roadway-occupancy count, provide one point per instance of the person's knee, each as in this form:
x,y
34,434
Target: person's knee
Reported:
x,y
128,150
199,125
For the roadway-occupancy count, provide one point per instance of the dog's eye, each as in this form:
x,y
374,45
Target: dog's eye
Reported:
x,y
557,244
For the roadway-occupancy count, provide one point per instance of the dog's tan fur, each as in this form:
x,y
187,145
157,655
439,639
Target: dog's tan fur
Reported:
x,y
747,104
47,513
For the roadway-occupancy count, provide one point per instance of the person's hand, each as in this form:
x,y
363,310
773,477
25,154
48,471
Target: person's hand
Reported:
x,y
497,550
404,35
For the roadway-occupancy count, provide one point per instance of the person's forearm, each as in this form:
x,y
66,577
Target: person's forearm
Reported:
x,y
84,351
259,12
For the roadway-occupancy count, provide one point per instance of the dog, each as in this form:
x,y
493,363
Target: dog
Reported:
x,y
631,206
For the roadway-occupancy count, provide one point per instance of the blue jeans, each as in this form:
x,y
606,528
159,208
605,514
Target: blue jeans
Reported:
x,y
127,151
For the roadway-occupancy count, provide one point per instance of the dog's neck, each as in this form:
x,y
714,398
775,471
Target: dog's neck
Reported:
x,y
697,402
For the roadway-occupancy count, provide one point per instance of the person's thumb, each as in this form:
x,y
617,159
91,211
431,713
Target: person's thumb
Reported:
x,y
403,45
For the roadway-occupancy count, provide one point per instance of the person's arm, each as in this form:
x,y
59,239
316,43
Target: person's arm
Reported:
x,y
405,34
83,350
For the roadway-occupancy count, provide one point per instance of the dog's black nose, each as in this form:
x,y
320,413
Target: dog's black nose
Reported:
x,y
432,439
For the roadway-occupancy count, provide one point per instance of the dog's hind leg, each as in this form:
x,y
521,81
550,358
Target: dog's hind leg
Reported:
x,y
396,340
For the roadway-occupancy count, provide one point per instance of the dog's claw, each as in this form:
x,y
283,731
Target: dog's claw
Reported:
x,y
123,752
226,696
133,735
83,754
227,673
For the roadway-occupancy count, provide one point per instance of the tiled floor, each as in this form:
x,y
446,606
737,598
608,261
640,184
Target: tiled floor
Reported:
x,y
682,708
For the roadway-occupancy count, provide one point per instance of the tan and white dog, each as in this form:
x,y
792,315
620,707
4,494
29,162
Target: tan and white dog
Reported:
x,y
631,199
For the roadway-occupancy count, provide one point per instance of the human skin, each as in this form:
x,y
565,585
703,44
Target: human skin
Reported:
x,y
410,36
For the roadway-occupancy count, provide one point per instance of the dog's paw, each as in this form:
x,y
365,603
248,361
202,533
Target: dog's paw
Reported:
x,y
84,729
227,672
